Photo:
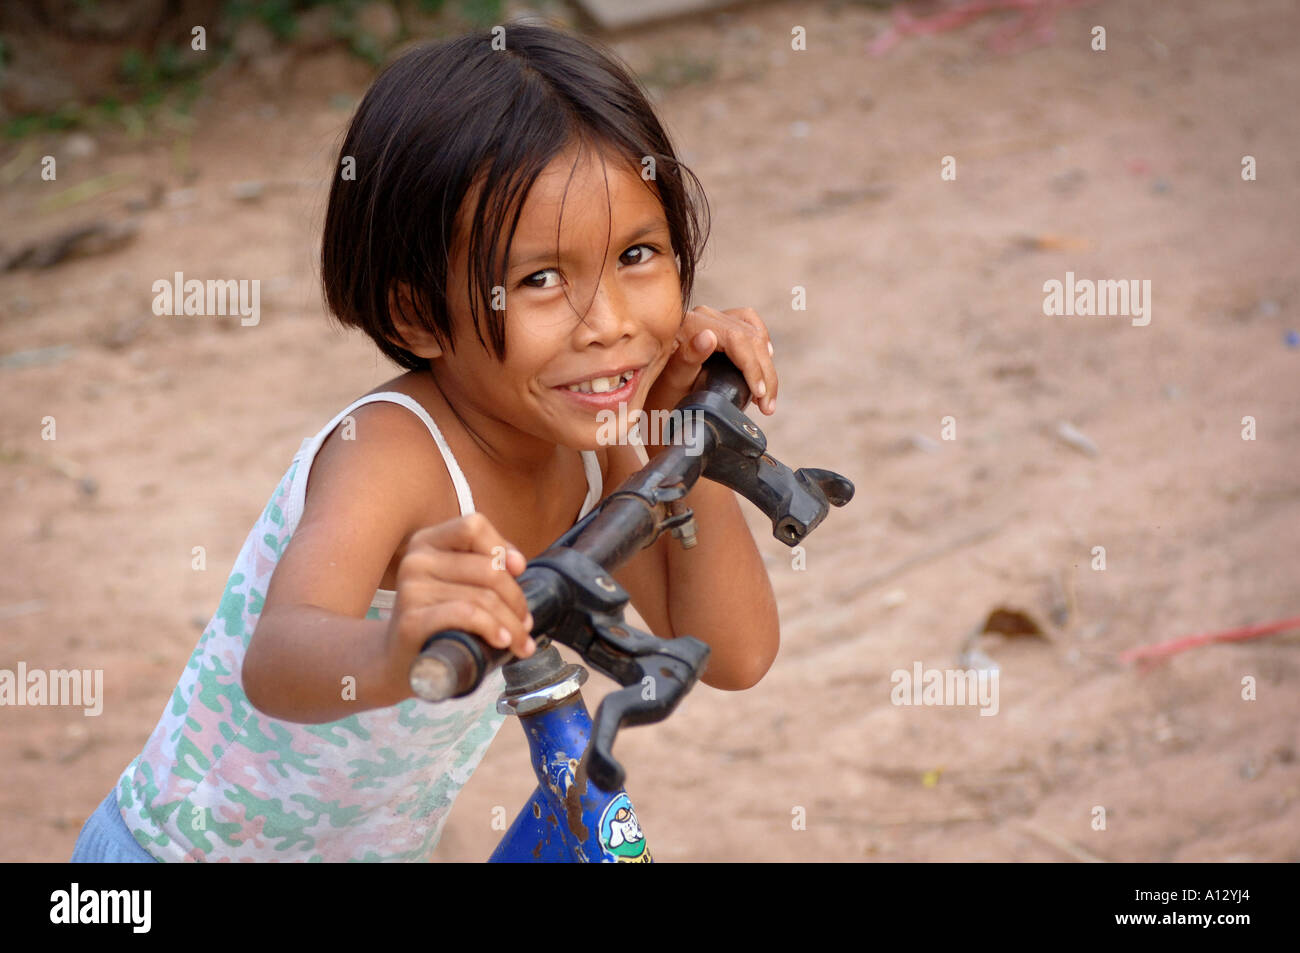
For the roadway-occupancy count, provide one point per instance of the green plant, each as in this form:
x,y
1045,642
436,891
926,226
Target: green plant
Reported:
x,y
168,80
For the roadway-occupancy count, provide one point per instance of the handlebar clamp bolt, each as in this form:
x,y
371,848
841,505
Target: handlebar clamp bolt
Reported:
x,y
685,533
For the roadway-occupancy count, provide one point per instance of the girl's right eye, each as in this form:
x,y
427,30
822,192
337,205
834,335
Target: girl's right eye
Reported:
x,y
548,271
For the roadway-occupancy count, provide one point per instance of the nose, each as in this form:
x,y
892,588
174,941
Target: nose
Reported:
x,y
607,319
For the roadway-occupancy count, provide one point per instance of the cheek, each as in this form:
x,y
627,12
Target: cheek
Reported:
x,y
530,354
671,326
669,315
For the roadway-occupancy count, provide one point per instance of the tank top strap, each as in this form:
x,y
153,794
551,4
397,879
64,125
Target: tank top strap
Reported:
x,y
595,482
311,446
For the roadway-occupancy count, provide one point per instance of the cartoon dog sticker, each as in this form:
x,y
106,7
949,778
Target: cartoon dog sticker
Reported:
x,y
621,835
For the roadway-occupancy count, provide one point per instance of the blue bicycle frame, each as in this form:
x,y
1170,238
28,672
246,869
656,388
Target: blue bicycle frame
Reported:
x,y
568,818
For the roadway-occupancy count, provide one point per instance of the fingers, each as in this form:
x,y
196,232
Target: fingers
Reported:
x,y
428,577
703,344
694,345
469,534
743,336
468,611
467,569
690,349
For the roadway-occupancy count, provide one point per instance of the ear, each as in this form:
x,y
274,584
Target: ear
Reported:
x,y
410,335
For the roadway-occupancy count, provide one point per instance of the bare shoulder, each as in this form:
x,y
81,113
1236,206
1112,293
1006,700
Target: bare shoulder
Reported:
x,y
382,445
376,479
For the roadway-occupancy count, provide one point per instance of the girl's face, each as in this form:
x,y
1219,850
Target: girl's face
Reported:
x,y
586,316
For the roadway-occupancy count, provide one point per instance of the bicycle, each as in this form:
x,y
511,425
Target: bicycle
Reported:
x,y
580,811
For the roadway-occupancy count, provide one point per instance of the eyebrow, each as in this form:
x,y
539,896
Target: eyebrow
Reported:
x,y
649,228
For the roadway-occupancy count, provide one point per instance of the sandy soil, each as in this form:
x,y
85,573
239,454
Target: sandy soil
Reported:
x,y
924,301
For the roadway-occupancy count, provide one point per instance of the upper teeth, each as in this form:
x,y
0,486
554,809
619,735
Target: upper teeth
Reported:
x,y
600,385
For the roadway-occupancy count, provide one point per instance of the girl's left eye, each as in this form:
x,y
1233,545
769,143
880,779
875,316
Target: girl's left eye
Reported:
x,y
650,248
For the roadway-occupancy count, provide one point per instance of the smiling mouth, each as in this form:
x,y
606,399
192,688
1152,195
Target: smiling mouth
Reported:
x,y
603,391
601,385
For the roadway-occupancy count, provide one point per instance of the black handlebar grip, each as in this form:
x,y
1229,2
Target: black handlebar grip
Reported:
x,y
722,377
452,664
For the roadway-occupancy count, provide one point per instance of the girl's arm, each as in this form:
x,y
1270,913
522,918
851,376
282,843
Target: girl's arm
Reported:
x,y
313,656
718,591
361,502
298,666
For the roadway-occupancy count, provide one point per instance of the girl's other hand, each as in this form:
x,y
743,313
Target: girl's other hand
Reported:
x,y
458,575
739,333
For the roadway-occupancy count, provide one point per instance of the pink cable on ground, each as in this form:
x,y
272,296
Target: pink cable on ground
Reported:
x,y
1173,646
1036,13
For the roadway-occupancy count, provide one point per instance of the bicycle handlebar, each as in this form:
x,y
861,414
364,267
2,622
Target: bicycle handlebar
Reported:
x,y
574,598
452,663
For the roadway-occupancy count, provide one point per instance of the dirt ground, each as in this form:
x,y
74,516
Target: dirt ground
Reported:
x,y
924,301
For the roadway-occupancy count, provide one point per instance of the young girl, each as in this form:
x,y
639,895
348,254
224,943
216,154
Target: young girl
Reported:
x,y
511,226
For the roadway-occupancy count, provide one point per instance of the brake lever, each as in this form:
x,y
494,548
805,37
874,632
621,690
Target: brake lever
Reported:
x,y
655,673
795,501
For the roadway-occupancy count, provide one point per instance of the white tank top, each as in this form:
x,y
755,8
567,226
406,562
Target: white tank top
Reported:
x,y
219,780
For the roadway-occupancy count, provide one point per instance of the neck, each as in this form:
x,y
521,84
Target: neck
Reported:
x,y
517,455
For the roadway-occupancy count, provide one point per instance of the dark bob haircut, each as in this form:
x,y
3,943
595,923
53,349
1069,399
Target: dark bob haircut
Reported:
x,y
447,115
